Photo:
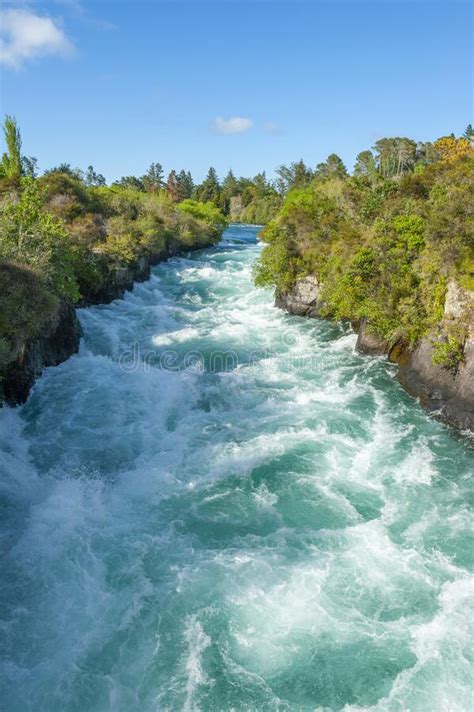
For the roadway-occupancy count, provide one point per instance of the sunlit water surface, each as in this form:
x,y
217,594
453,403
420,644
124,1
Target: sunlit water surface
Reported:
x,y
280,529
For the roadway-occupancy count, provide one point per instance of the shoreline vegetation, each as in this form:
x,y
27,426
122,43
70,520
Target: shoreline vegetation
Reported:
x,y
389,248
66,240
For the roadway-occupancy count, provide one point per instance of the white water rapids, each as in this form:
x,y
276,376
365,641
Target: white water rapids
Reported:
x,y
217,506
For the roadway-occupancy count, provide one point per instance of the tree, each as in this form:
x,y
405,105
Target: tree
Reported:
x,y
302,175
425,155
261,185
297,175
153,179
30,236
209,190
333,167
11,165
230,185
94,179
469,133
230,189
172,187
29,166
185,185
365,164
395,156
449,148
68,170
284,179
131,182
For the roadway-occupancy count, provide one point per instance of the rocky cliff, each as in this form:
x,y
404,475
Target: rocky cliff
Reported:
x,y
446,390
303,299
60,338
57,344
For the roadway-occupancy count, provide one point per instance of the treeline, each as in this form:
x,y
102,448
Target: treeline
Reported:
x,y
250,200
384,242
66,236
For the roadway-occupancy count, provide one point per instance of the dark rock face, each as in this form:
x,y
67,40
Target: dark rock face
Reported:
x,y
121,281
62,339
449,395
303,299
55,346
368,343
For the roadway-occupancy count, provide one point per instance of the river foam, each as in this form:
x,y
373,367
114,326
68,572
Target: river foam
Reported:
x,y
217,506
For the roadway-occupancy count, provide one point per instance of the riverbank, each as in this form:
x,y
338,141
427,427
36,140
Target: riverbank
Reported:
x,y
61,331
391,252
446,393
275,524
63,244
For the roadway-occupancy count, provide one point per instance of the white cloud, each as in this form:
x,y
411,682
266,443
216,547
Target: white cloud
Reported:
x,y
234,125
24,36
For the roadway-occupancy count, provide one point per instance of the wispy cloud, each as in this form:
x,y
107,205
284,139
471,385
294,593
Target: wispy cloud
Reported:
x,y
77,10
25,36
233,125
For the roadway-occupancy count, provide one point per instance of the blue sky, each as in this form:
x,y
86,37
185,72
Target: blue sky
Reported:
x,y
231,83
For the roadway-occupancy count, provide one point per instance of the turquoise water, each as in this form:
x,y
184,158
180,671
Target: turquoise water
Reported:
x,y
217,506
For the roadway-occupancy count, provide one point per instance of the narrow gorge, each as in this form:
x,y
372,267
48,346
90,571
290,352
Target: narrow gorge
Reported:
x,y
216,505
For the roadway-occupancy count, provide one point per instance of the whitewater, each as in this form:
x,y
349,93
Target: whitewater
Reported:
x,y
216,506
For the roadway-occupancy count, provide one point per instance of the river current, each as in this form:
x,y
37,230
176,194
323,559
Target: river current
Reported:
x,y
216,506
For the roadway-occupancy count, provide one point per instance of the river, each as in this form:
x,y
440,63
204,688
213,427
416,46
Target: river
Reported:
x,y
216,506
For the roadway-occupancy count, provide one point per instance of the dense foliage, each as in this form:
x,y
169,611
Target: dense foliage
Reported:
x,y
248,200
384,242
67,236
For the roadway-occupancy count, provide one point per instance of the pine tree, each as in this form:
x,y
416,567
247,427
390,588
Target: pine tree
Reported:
x,y
188,184
302,174
469,133
153,179
261,185
209,190
333,167
365,164
230,184
297,175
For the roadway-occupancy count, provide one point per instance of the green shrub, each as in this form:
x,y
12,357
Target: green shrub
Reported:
x,y
383,249
449,353
206,212
33,237
27,308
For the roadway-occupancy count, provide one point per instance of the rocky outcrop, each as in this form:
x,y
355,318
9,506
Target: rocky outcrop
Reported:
x,y
50,349
369,343
122,279
447,392
61,339
303,299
